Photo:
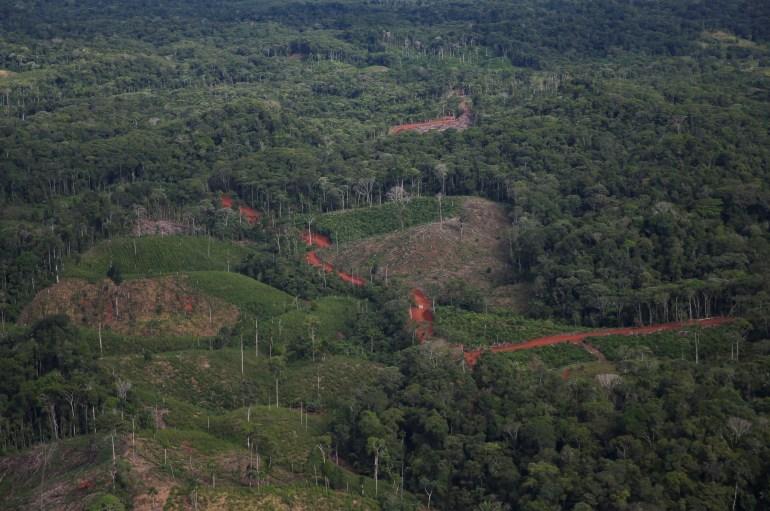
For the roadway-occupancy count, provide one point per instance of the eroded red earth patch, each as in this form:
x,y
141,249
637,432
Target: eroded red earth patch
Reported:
x,y
251,215
319,240
422,313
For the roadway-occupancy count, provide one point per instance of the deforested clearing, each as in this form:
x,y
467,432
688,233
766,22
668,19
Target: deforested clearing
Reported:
x,y
470,246
161,306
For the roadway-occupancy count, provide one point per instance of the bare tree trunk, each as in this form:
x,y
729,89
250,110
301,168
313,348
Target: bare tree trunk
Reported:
x,y
376,471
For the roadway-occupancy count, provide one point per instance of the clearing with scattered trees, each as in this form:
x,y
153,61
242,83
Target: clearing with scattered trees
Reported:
x,y
385,255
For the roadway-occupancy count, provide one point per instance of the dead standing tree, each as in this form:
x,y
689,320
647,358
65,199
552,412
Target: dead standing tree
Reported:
x,y
400,197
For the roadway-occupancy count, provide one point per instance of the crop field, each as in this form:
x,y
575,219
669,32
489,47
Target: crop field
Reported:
x,y
359,223
253,298
152,256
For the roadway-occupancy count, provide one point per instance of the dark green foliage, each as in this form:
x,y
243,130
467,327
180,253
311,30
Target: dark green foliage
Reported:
x,y
712,344
637,439
47,370
636,195
114,274
106,503
628,141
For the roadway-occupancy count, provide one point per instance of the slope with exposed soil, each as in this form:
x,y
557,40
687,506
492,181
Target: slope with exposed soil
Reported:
x,y
422,314
319,240
158,306
460,123
471,248
251,215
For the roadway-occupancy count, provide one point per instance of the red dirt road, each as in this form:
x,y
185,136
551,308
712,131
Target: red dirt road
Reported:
x,y
313,238
422,313
251,215
471,357
321,241
351,279
315,261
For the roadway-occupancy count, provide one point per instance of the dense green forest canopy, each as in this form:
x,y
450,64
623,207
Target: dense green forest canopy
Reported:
x,y
627,142
629,139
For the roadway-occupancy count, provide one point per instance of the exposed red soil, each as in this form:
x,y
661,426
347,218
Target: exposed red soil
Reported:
x,y
321,241
471,357
154,306
313,238
422,313
351,279
315,261
441,124
251,215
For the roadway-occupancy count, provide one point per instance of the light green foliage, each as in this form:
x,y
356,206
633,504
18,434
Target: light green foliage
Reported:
x,y
364,222
483,329
327,316
252,297
156,256
555,356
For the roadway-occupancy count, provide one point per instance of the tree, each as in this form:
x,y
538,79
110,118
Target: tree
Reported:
x,y
114,274
277,365
400,197
376,447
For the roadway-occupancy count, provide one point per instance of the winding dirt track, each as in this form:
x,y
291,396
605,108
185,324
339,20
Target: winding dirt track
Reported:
x,y
471,357
251,215
421,313
321,241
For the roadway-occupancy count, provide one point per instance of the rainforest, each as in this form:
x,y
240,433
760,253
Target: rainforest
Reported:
x,y
385,255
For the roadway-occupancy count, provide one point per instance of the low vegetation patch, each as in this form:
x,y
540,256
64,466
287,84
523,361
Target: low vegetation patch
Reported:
x,y
554,356
213,380
475,329
359,223
253,298
713,344
278,498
